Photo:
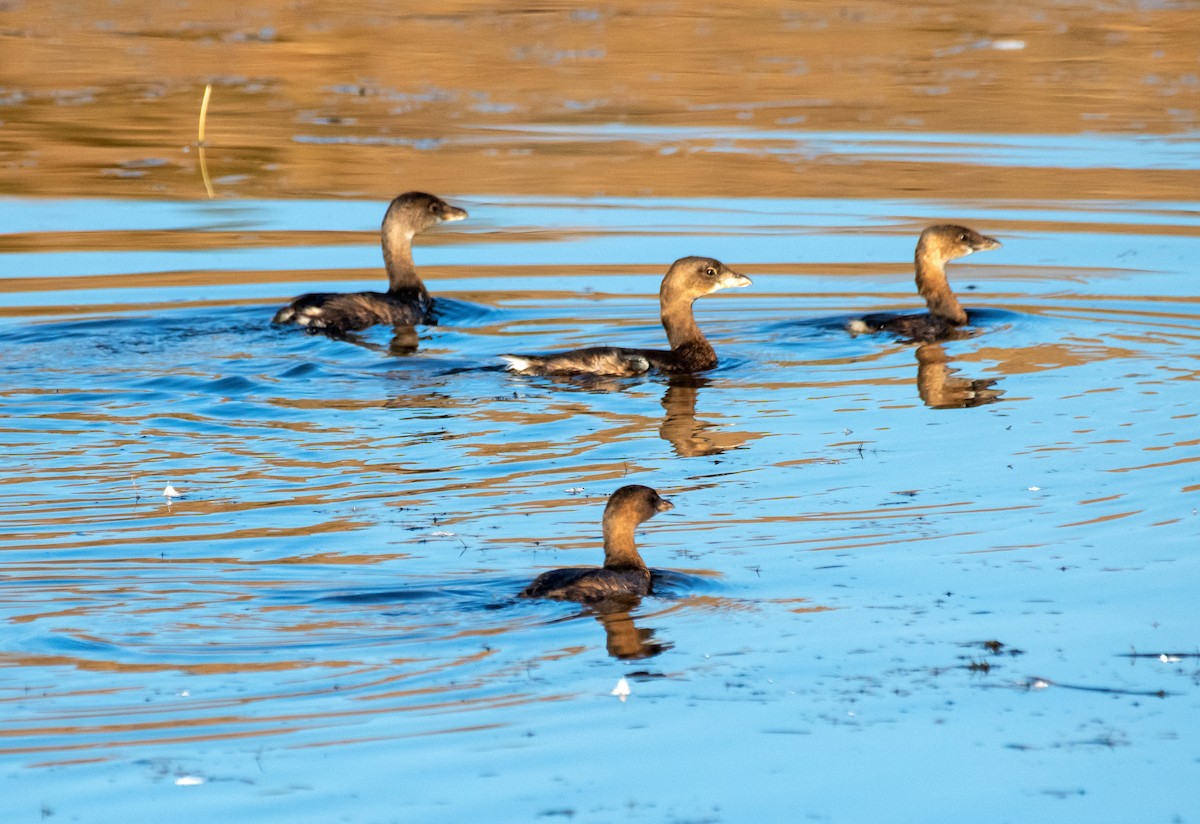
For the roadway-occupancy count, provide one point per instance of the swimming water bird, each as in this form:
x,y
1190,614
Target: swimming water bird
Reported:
x,y
937,246
624,573
406,301
687,279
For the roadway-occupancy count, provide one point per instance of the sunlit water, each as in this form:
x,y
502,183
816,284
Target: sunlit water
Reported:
x,y
323,623
938,583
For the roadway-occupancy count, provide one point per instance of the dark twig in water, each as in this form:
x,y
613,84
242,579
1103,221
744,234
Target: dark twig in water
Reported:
x,y
1165,657
1036,683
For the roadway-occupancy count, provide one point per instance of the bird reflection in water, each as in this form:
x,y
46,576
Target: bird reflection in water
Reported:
x,y
688,436
404,341
940,387
627,641
623,638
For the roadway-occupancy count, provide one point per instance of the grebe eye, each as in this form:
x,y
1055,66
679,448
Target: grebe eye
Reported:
x,y
435,207
711,272
962,238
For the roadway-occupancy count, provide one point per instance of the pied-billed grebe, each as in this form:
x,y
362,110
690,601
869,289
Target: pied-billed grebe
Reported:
x,y
624,572
938,246
406,301
687,279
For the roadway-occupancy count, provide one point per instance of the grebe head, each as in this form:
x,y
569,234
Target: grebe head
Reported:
x,y
696,276
635,503
414,212
949,242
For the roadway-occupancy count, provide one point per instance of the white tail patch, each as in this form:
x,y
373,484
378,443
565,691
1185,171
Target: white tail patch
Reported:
x,y
857,327
516,363
311,316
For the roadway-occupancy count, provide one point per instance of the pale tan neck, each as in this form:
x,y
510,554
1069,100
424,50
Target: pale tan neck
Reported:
x,y
933,286
620,552
679,321
397,256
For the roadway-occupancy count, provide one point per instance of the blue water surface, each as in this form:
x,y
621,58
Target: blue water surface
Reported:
x,y
957,581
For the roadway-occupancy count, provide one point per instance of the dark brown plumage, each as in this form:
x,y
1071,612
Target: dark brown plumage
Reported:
x,y
687,279
624,573
406,301
937,246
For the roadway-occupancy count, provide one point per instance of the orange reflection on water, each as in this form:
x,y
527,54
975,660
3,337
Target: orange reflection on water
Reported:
x,y
317,101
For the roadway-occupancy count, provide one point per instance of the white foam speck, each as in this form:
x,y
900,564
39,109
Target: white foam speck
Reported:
x,y
621,690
